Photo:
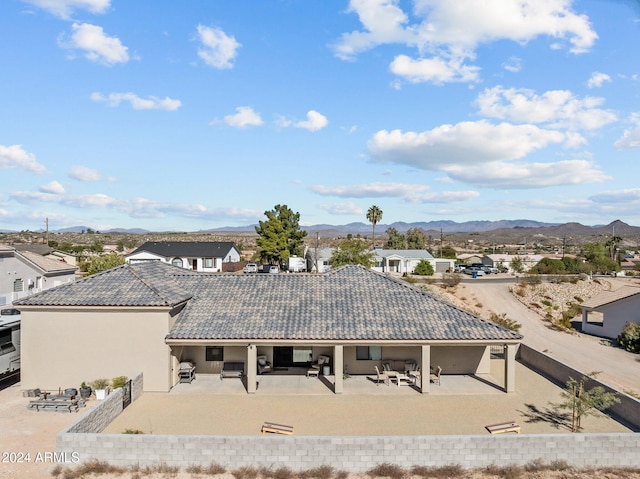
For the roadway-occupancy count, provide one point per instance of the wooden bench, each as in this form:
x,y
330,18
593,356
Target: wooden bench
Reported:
x,y
277,428
499,428
55,405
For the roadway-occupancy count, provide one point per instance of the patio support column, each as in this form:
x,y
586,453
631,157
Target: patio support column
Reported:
x,y
509,368
252,368
425,368
338,367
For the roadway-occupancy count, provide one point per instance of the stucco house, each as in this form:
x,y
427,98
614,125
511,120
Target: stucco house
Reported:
x,y
203,256
606,314
406,260
150,316
24,273
504,260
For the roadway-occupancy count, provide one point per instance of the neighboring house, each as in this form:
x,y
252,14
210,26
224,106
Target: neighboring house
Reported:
x,y
23,273
324,255
504,260
194,255
606,314
63,256
406,260
469,258
150,316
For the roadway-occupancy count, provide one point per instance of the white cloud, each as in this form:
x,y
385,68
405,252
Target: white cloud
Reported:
x,y
246,116
505,175
98,47
597,79
75,201
436,70
466,143
631,136
347,208
617,196
315,121
513,65
137,103
483,154
218,49
410,193
557,108
15,157
64,8
451,31
82,173
53,187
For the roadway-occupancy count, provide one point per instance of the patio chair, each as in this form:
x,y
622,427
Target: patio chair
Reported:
x,y
381,376
264,366
435,377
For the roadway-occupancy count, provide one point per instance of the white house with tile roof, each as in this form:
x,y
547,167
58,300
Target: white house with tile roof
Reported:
x,y
202,256
405,261
23,273
151,316
606,314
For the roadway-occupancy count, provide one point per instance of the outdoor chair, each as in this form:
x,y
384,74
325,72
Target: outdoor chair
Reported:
x,y
264,366
381,376
435,377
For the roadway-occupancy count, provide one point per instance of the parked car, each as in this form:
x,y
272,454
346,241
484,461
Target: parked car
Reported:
x,y
270,268
474,269
250,268
9,312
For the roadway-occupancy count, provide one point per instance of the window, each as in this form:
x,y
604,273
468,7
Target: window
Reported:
x,y
214,353
177,262
208,262
18,286
369,353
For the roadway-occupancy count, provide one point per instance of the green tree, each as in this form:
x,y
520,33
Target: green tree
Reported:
x,y
280,236
448,252
423,268
352,251
374,215
416,239
582,402
102,263
517,264
629,339
395,240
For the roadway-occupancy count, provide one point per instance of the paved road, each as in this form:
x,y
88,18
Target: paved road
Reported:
x,y
583,352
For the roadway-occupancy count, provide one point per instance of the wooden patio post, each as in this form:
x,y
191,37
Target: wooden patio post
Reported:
x,y
252,368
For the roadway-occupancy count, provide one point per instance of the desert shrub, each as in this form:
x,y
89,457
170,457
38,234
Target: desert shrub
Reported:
x,y
279,473
535,305
320,472
451,280
521,291
423,268
245,473
387,470
533,279
213,469
341,475
409,279
453,470
578,299
505,322
546,302
478,305
132,431
630,337
506,472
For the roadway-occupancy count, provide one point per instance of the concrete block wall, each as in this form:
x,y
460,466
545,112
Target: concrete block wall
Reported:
x,y
627,411
354,454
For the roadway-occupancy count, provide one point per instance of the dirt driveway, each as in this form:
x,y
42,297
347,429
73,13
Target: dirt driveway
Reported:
x,y
586,353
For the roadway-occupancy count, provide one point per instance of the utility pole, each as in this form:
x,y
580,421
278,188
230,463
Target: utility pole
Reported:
x,y
46,237
441,239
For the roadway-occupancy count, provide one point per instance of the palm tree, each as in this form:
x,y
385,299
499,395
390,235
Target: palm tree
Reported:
x,y
374,215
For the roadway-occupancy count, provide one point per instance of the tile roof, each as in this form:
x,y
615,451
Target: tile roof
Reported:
x,y
198,249
608,297
145,284
348,303
405,253
48,265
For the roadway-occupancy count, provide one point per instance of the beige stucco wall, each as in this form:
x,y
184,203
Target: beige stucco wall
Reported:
x,y
616,315
461,359
62,348
197,355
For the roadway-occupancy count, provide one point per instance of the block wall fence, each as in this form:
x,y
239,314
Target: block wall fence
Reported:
x,y
352,453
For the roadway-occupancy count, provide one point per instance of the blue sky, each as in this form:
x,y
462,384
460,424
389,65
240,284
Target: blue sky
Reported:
x,y
198,114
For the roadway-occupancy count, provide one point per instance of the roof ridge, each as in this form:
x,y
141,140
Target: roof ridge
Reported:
x,y
164,298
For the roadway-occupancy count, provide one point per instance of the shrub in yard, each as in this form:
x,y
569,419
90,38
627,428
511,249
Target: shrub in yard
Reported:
x,y
119,382
321,472
630,337
387,470
451,280
423,268
245,473
453,470
504,321
132,431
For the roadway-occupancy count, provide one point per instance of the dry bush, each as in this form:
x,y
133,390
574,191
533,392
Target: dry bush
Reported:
x,y
245,473
388,470
321,472
453,470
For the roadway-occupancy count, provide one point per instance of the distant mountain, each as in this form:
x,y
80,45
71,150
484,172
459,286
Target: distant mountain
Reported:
x,y
132,231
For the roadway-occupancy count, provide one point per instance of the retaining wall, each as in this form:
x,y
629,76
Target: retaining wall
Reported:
x,y
627,411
